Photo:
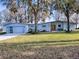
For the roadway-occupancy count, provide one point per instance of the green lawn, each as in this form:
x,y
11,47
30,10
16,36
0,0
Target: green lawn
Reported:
x,y
54,38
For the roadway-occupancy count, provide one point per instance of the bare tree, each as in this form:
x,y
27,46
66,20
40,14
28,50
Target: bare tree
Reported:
x,y
35,7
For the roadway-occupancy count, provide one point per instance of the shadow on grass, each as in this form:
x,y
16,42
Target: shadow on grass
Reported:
x,y
40,43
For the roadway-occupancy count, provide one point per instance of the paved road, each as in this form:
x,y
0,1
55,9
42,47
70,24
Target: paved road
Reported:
x,y
8,36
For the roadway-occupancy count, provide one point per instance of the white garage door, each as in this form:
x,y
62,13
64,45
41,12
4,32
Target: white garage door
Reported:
x,y
18,29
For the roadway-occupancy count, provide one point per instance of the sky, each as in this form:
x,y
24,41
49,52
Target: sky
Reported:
x,y
2,7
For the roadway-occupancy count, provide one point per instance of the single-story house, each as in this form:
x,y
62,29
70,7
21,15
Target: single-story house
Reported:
x,y
53,26
15,28
48,26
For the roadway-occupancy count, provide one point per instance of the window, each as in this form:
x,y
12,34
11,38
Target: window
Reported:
x,y
43,25
32,26
11,29
59,25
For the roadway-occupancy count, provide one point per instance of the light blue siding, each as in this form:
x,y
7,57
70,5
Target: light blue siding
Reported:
x,y
16,28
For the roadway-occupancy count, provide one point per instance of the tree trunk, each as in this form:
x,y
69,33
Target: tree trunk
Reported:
x,y
67,15
35,13
68,25
35,23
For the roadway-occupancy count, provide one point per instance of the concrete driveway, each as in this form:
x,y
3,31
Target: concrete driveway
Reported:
x,y
8,36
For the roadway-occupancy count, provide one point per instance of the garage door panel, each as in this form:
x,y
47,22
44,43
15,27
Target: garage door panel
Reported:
x,y
19,29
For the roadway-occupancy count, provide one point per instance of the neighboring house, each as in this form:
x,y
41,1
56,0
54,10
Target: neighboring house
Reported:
x,y
53,26
48,27
15,28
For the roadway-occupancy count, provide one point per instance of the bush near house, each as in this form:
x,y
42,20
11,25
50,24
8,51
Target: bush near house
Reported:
x,y
31,31
43,31
60,30
1,33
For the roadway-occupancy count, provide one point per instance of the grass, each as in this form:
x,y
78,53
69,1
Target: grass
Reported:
x,y
54,38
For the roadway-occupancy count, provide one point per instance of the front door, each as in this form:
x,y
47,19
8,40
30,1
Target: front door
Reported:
x,y
53,27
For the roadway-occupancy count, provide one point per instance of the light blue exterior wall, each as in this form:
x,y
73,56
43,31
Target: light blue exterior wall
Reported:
x,y
48,26
17,28
40,27
72,26
45,26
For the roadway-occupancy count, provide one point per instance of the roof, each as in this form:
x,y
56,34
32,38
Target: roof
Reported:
x,y
66,22
40,23
12,23
55,22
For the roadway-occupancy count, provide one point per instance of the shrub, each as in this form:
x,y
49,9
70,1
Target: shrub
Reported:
x,y
68,31
43,31
1,33
60,29
77,28
32,31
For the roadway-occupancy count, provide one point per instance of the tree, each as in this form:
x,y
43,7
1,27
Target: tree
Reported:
x,y
7,3
13,10
11,6
76,10
35,7
66,6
